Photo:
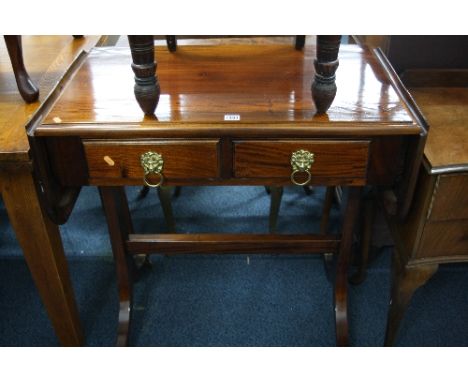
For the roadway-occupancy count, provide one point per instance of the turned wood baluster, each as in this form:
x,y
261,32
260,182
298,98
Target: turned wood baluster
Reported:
x,y
147,88
26,87
326,63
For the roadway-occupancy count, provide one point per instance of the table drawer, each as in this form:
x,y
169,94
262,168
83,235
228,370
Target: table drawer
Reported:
x,y
444,239
450,198
334,161
194,159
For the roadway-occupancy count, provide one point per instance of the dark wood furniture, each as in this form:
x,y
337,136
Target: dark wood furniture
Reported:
x,y
436,229
38,237
227,115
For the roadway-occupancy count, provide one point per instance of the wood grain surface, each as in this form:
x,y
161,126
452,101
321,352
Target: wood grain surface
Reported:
x,y
201,84
46,59
446,110
231,243
42,248
272,159
248,107
450,198
182,159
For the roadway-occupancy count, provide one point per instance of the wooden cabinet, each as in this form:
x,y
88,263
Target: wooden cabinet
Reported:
x,y
435,71
436,228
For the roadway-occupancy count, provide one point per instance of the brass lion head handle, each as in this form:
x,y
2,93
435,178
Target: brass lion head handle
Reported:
x,y
152,164
301,161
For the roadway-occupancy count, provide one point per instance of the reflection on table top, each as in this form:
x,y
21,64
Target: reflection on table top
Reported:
x,y
200,84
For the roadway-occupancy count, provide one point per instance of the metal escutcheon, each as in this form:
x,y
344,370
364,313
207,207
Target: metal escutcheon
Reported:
x,y
152,164
301,161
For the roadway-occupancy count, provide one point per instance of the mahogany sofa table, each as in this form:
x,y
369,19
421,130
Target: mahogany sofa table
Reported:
x,y
229,115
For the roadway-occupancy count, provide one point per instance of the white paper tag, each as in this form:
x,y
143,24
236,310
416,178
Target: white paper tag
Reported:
x,y
231,117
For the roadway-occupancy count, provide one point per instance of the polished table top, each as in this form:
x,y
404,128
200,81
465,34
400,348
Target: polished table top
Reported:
x,y
46,59
266,85
446,110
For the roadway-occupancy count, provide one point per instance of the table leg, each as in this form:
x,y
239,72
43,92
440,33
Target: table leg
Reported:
x,y
405,280
26,87
144,66
165,198
327,206
275,204
328,258
42,246
341,283
326,63
366,238
114,202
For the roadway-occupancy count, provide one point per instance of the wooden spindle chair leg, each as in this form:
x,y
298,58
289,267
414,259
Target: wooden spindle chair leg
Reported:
x,y
326,63
171,43
147,90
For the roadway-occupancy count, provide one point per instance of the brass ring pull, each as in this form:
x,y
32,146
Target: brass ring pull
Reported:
x,y
309,176
152,163
161,180
301,161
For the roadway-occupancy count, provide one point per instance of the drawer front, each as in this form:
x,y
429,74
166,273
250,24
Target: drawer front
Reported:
x,y
444,239
335,162
197,159
450,198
